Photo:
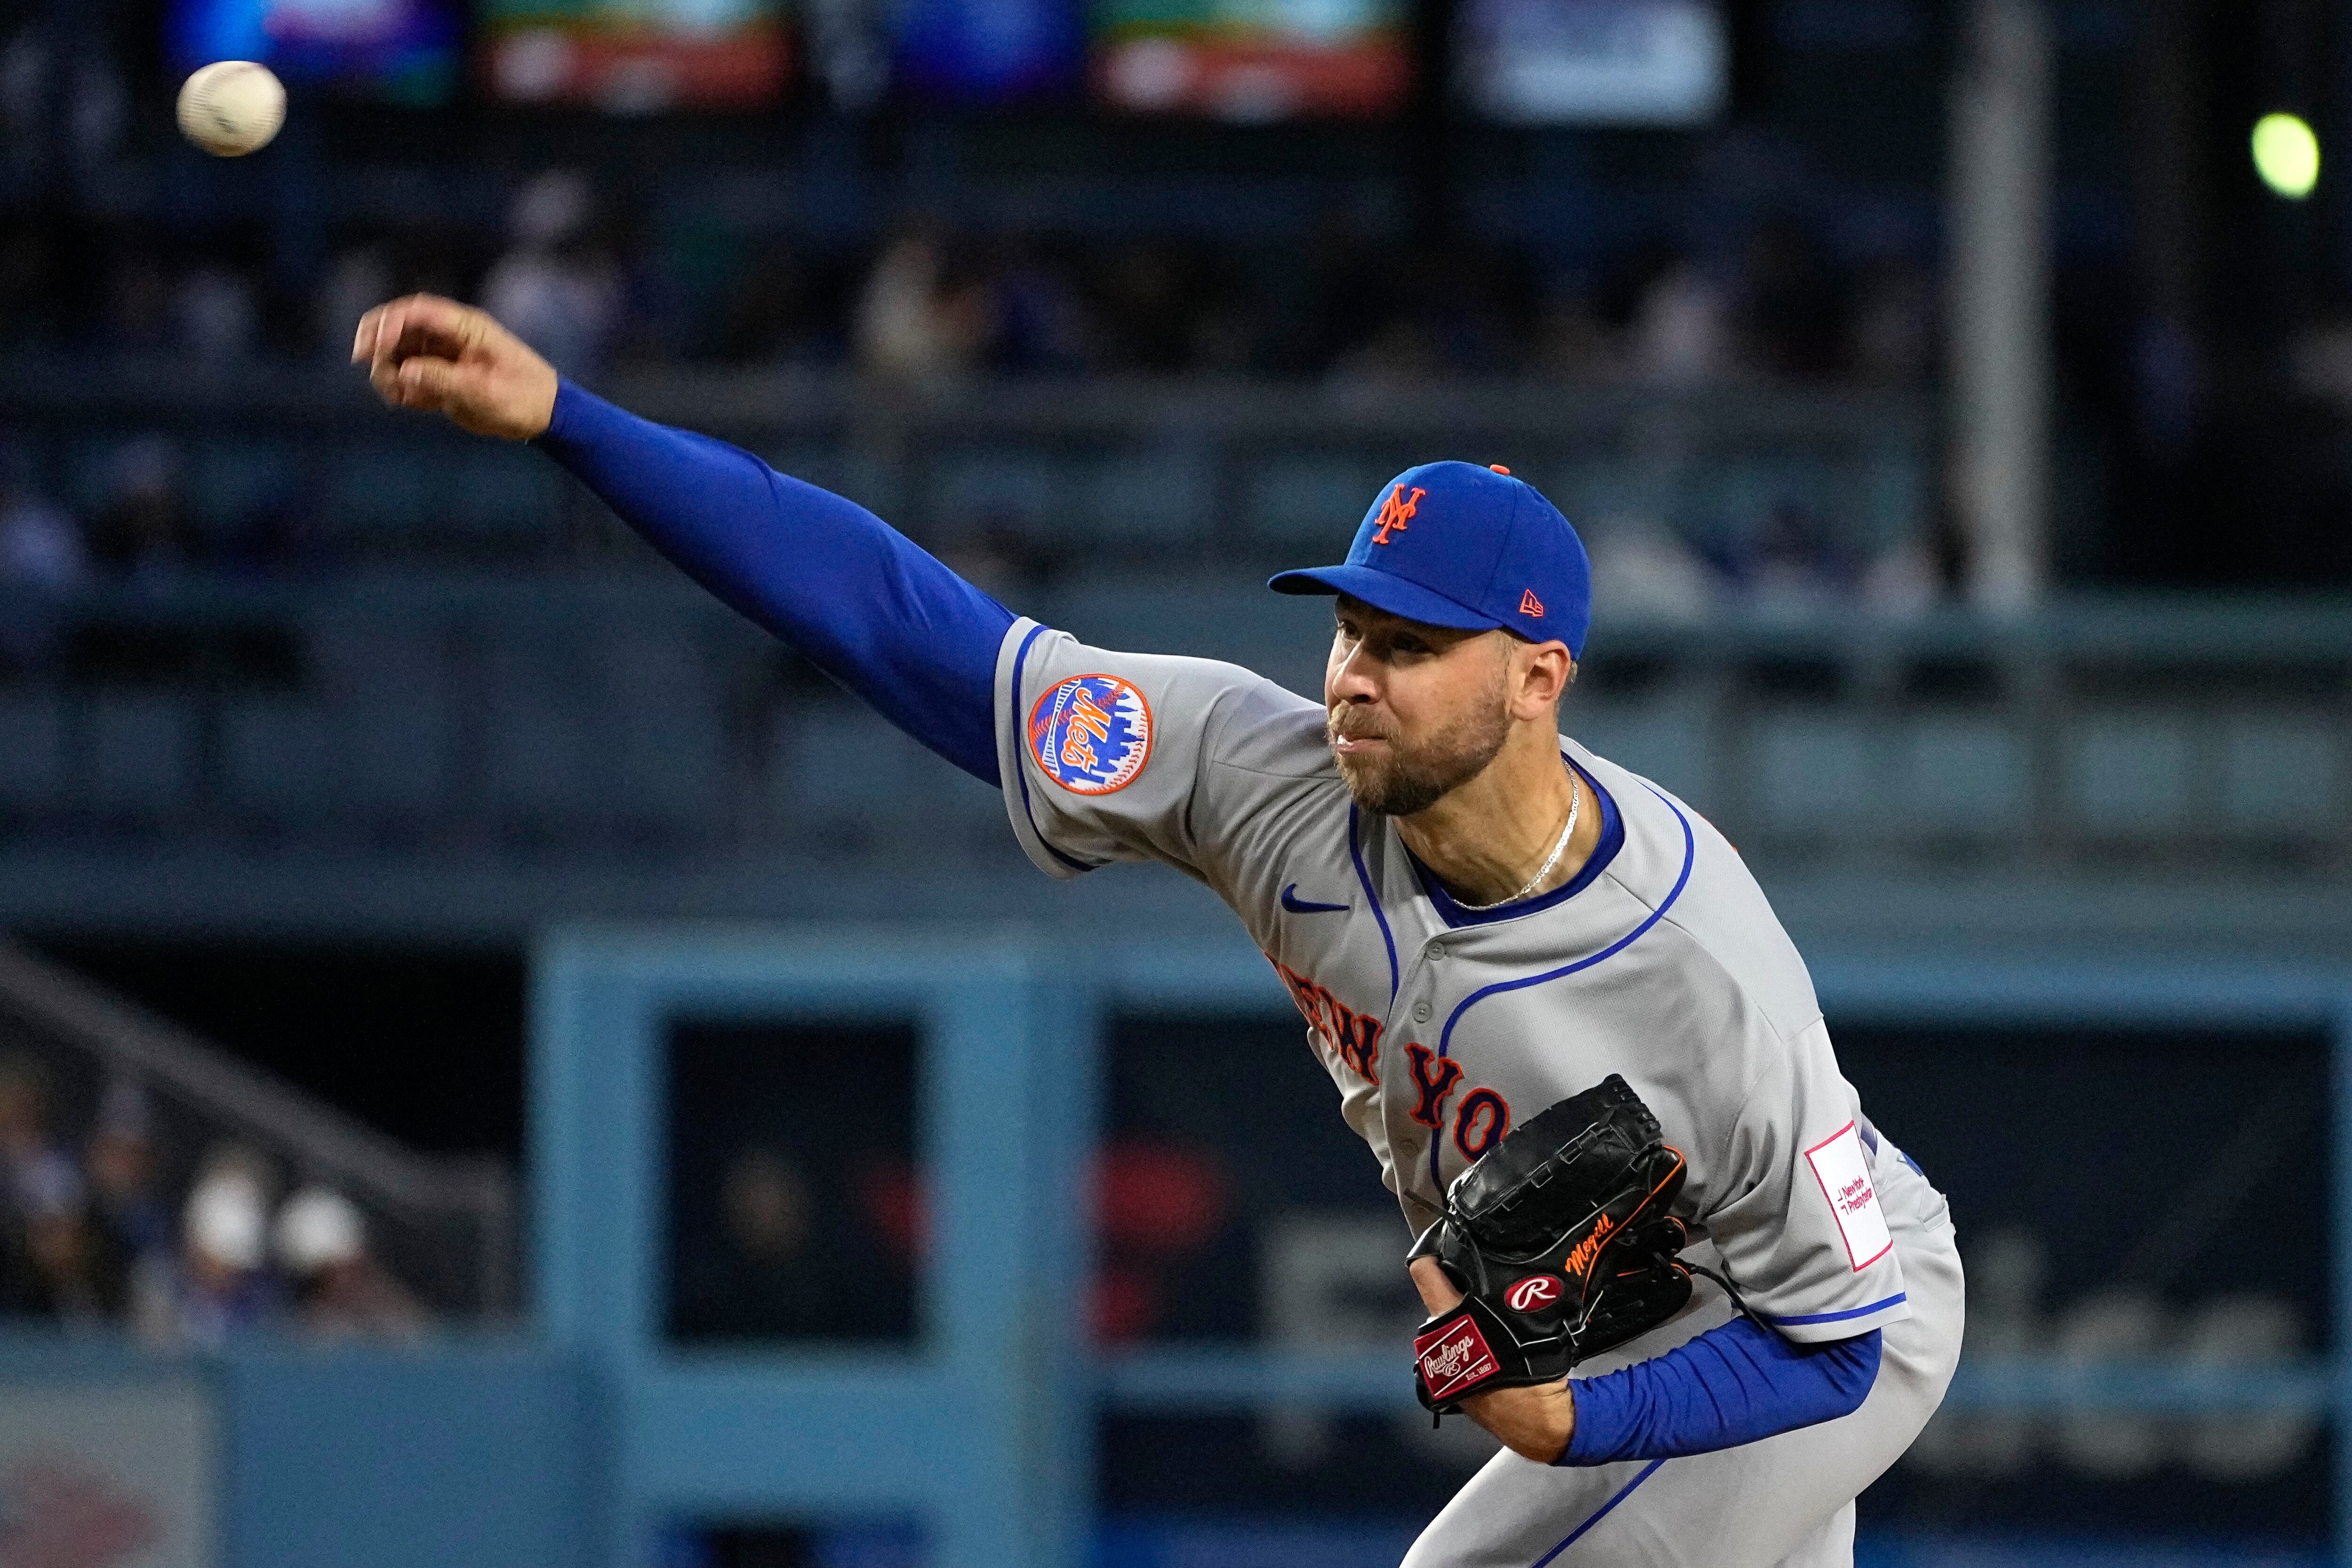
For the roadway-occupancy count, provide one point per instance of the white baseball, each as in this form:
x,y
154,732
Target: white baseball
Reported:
x,y
231,108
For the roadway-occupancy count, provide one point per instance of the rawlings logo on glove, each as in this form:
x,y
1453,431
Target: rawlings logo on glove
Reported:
x,y
1454,1357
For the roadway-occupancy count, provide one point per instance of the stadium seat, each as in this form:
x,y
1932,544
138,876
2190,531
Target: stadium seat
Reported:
x,y
1813,773
386,681
278,757
2128,774
665,760
2278,773
32,753
1664,738
1958,776
502,500
140,752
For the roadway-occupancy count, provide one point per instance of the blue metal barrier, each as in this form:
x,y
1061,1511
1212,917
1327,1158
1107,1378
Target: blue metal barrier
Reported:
x,y
984,1434
970,1433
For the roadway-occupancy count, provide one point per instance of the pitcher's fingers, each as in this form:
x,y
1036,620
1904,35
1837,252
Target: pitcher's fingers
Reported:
x,y
399,328
383,373
387,374
428,382
386,338
429,321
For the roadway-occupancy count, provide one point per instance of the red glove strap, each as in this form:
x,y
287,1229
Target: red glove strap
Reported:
x,y
1454,1357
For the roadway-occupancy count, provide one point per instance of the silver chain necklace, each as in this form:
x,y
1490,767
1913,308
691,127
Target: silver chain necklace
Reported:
x,y
1575,801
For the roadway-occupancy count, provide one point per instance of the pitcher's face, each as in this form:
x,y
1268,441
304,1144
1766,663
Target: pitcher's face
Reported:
x,y
1412,711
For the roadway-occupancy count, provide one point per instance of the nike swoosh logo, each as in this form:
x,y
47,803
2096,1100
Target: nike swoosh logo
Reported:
x,y
1298,906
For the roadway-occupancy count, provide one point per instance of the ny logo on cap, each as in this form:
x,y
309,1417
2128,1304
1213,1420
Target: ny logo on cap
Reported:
x,y
1396,512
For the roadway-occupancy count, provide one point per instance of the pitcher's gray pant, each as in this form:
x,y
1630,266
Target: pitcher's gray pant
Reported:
x,y
1785,1502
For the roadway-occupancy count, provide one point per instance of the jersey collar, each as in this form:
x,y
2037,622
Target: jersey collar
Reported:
x,y
1613,838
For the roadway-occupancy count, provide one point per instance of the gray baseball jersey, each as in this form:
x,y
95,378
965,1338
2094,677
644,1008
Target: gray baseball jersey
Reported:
x,y
1442,1026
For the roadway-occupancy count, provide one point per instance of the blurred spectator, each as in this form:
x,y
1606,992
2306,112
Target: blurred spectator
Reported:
x,y
760,1282
1902,581
215,314
69,1277
341,1292
914,322
1641,570
1681,333
23,94
133,1222
223,1287
31,1161
1040,324
1894,324
41,550
40,544
35,1172
1789,315
554,287
1797,565
143,534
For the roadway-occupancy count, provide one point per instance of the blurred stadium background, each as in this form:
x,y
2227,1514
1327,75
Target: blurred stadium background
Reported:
x,y
500,1064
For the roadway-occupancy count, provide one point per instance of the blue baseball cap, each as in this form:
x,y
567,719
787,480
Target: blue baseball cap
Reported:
x,y
1456,545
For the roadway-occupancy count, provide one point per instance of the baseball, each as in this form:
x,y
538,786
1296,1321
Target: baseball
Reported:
x,y
231,108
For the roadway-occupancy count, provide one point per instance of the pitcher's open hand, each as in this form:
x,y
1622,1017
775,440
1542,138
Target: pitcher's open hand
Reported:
x,y
425,351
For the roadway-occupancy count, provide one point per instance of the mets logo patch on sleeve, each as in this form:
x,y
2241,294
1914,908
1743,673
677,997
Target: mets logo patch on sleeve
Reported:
x,y
1843,1172
1092,734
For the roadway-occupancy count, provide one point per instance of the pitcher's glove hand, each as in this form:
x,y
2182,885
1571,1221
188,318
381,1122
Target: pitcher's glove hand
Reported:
x,y
1559,1239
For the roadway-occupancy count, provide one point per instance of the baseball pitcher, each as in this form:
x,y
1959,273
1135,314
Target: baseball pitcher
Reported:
x,y
1552,999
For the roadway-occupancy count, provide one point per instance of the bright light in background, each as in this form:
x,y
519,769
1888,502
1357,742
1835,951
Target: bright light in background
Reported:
x,y
2286,154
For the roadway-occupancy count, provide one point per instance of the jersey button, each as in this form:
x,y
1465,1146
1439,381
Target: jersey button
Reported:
x,y
1421,1011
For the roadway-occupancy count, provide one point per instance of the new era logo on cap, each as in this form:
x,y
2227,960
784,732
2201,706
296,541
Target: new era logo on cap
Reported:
x,y
1467,546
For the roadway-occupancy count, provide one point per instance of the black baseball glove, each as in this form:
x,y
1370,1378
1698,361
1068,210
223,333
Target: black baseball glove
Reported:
x,y
1559,1239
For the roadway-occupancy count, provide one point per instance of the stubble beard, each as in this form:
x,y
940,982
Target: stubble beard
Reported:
x,y
1401,782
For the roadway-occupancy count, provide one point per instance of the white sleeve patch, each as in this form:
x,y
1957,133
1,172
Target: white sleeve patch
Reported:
x,y
1843,1172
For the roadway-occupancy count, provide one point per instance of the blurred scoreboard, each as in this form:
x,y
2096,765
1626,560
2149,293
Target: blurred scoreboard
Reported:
x,y
1593,62
404,51
636,55
1254,60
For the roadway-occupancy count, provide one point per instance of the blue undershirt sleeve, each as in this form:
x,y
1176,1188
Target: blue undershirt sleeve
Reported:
x,y
1730,1385
852,595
